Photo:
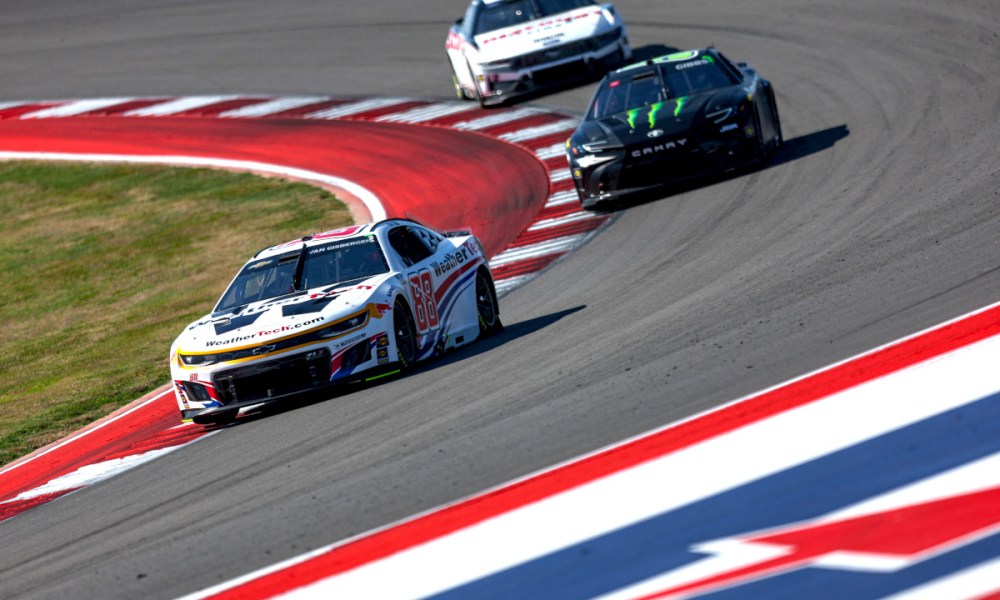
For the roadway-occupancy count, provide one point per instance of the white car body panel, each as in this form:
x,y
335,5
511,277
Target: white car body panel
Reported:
x,y
234,356
487,66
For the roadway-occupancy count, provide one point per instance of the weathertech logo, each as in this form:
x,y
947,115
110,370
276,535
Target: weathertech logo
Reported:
x,y
260,334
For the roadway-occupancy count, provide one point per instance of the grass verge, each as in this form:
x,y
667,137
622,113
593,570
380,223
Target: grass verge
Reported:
x,y
103,266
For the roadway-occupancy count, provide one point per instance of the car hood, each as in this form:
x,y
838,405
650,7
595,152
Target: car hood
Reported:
x,y
278,318
664,122
548,32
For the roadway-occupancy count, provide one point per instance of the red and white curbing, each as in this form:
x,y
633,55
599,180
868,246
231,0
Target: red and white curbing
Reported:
x,y
560,226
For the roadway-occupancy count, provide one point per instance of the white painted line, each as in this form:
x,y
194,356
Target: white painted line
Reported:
x,y
178,105
561,198
74,108
558,245
707,468
497,119
370,200
422,114
560,175
6,105
92,473
975,582
551,151
353,108
531,133
87,432
271,107
505,285
582,215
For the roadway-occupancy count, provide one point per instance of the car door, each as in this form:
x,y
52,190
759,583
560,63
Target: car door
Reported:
x,y
417,252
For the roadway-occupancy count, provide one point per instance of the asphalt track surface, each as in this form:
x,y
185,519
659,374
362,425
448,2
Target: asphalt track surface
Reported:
x,y
879,218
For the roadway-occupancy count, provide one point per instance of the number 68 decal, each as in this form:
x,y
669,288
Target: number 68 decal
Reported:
x,y
424,306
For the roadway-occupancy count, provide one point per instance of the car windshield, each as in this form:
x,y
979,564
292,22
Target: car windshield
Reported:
x,y
663,81
500,14
306,268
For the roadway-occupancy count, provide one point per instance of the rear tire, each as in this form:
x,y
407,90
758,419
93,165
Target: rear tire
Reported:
x,y
486,304
778,138
404,334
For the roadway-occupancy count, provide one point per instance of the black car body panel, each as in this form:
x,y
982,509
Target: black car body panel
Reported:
x,y
668,119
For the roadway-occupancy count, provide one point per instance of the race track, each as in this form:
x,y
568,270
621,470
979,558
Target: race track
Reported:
x,y
879,218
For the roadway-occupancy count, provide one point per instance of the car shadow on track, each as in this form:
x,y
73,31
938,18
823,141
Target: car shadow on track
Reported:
x,y
508,334
791,150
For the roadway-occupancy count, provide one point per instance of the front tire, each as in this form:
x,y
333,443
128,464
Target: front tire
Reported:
x,y
486,304
477,95
404,334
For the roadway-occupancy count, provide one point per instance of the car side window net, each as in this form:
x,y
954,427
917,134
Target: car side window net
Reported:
x,y
409,247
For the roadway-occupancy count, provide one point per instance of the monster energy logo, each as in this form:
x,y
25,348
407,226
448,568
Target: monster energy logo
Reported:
x,y
633,115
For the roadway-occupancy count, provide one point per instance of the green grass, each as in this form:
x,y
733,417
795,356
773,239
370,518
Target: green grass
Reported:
x,y
103,266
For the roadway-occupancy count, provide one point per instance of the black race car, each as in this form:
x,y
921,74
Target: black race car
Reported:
x,y
671,118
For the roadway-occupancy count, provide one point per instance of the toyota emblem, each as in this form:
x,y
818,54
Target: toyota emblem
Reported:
x,y
655,133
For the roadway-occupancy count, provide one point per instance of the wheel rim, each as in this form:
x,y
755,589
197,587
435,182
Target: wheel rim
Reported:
x,y
484,302
405,343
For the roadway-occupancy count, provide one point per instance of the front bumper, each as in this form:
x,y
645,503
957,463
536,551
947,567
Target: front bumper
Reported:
x,y
231,387
638,169
547,68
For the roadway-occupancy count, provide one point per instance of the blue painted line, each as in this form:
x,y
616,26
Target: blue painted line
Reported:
x,y
662,544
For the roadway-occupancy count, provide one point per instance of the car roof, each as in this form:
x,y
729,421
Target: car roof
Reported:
x,y
667,58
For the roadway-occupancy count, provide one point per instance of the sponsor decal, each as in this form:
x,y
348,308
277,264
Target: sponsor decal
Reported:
x,y
383,356
450,261
691,64
658,148
349,341
542,25
729,127
424,305
263,333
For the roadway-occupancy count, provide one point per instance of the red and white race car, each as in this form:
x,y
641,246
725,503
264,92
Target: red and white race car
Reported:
x,y
502,48
351,304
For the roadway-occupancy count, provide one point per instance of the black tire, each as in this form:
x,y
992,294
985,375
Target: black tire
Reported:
x,y
779,137
761,147
404,334
486,304
459,90
477,96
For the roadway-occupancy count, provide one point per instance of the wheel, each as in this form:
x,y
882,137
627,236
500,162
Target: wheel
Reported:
x,y
486,304
459,90
405,334
761,148
778,138
475,87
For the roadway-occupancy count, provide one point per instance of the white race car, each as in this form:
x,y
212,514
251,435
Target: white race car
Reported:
x,y
502,48
352,304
